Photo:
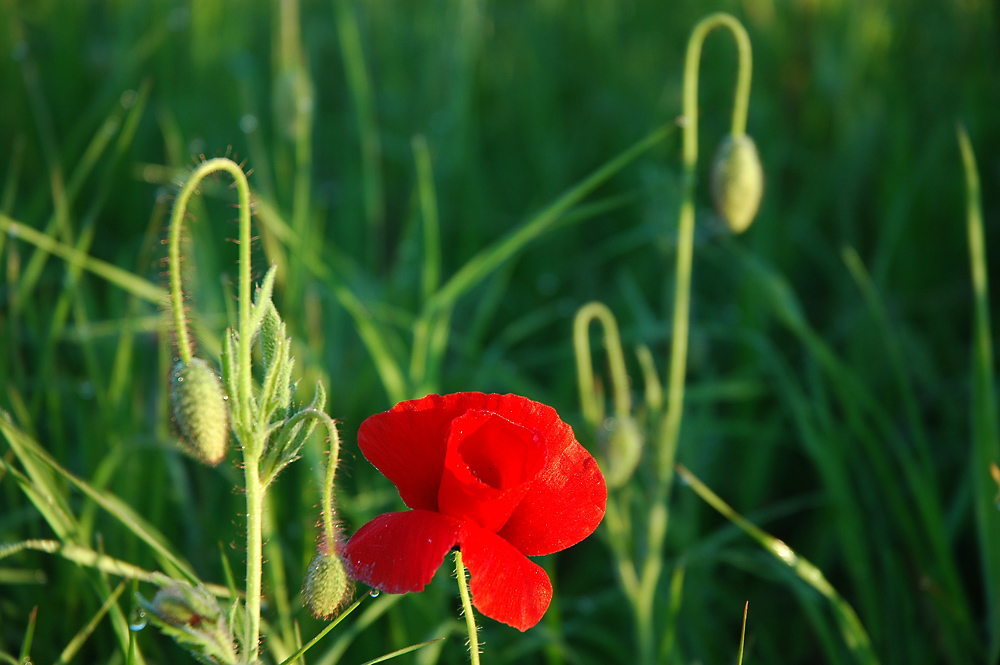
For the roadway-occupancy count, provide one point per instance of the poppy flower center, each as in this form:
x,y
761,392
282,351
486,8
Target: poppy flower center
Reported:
x,y
489,465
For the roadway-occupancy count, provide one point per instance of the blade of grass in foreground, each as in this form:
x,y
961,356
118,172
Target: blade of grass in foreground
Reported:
x,y
28,451
985,433
853,633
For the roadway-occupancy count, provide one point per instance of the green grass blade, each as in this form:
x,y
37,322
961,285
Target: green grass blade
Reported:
x,y
490,258
122,278
985,432
400,652
84,633
26,449
359,84
852,631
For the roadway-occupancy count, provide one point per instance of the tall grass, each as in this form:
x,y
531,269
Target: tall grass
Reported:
x,y
442,186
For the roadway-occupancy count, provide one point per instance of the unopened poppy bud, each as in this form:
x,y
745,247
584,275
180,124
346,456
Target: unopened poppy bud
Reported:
x,y
624,450
737,181
200,409
179,605
327,587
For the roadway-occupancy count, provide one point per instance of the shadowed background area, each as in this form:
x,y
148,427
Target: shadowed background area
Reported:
x,y
394,145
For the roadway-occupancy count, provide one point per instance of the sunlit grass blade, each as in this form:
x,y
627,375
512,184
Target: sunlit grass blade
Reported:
x,y
367,618
323,633
121,278
852,631
743,633
28,451
985,431
400,652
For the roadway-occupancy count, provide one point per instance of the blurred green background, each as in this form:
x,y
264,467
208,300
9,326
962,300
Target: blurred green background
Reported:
x,y
806,403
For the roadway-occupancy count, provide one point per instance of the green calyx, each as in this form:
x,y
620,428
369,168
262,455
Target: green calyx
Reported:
x,y
200,410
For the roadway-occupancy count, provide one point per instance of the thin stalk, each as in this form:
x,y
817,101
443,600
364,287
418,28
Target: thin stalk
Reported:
x,y
470,619
251,439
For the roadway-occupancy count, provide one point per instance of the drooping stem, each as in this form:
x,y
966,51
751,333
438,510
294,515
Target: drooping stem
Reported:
x,y
470,619
251,440
685,233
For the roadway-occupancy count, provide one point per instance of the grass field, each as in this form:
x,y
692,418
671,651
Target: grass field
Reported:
x,y
442,187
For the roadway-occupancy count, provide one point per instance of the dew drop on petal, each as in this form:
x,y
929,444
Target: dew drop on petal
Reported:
x,y
137,619
374,593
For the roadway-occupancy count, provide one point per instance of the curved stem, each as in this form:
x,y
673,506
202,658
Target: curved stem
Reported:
x,y
250,439
331,472
616,359
741,100
470,619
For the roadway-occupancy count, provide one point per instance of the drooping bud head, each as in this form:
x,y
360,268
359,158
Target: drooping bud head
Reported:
x,y
200,409
327,587
737,181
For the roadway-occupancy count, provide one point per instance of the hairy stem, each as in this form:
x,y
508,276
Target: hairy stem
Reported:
x,y
470,619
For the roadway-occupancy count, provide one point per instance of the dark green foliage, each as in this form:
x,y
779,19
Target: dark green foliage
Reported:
x,y
829,390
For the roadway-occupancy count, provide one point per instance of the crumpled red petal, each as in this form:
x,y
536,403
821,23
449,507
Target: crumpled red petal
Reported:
x,y
490,465
568,498
399,552
505,584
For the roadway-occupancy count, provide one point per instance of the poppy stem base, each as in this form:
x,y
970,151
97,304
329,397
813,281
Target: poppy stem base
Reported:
x,y
470,619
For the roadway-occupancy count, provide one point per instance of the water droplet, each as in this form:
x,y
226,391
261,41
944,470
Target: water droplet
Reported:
x,y
374,593
25,661
137,619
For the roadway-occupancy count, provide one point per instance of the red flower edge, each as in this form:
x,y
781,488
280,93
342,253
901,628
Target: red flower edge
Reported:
x,y
500,476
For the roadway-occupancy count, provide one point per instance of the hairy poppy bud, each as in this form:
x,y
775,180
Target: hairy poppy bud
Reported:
x,y
737,181
200,409
327,587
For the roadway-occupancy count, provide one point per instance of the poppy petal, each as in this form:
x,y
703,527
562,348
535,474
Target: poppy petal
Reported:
x,y
490,465
407,444
399,552
505,585
567,500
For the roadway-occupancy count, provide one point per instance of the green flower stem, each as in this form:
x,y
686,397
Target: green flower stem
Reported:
x,y
470,619
592,410
671,425
251,440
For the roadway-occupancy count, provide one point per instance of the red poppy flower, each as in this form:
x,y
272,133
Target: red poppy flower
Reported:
x,y
500,476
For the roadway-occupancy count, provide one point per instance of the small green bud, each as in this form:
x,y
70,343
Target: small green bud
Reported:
x,y
180,604
200,409
192,617
737,181
327,587
624,450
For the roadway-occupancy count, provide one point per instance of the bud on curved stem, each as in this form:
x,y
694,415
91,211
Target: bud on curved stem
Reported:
x,y
200,410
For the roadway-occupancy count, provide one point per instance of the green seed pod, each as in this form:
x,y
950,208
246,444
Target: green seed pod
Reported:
x,y
737,181
200,409
327,587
